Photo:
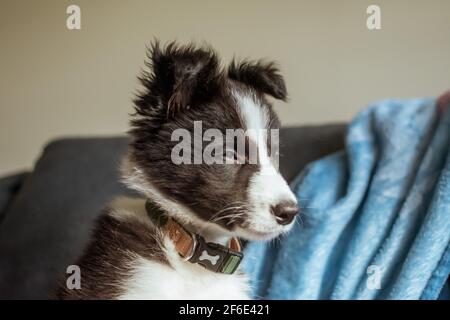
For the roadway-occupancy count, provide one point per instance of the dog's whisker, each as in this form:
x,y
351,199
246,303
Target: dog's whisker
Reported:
x,y
227,208
299,221
222,215
232,215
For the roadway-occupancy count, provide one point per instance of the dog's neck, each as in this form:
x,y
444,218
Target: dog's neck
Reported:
x,y
189,220
193,247
206,241
208,234
135,179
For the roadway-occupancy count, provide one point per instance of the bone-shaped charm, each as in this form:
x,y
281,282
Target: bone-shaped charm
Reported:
x,y
206,256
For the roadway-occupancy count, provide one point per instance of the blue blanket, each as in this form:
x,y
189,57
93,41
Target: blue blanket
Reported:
x,y
375,218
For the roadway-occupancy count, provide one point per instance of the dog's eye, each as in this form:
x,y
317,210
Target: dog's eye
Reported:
x,y
232,156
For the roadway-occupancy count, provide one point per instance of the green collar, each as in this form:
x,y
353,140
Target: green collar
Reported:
x,y
193,247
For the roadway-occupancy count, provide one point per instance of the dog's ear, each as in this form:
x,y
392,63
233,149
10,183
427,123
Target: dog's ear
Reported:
x,y
179,77
262,76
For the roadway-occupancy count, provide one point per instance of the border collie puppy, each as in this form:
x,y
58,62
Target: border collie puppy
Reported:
x,y
180,240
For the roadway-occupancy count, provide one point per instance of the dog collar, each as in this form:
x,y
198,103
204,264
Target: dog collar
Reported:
x,y
193,247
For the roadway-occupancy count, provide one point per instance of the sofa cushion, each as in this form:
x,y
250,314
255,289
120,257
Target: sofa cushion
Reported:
x,y
49,220
8,188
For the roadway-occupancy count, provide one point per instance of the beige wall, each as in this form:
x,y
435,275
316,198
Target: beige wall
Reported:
x,y
55,82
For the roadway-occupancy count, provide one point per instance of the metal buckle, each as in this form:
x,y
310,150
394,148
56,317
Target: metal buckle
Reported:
x,y
194,246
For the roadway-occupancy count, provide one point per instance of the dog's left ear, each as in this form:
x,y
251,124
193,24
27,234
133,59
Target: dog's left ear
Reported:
x,y
262,76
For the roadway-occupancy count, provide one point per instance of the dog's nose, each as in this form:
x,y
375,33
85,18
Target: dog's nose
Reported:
x,y
285,212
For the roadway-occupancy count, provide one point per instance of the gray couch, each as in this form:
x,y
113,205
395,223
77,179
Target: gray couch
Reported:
x,y
46,215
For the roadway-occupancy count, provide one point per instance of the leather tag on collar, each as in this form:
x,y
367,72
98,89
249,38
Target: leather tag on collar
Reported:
x,y
194,248
183,240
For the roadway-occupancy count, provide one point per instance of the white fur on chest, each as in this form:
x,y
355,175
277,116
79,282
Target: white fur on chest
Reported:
x,y
181,280
152,280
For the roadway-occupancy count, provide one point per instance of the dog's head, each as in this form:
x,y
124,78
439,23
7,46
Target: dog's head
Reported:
x,y
190,116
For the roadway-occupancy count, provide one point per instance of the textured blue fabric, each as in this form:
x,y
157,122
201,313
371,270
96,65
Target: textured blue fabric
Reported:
x,y
375,220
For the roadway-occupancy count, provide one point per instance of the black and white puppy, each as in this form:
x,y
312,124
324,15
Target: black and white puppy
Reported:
x,y
129,256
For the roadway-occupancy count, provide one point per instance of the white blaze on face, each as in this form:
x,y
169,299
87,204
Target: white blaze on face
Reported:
x,y
267,187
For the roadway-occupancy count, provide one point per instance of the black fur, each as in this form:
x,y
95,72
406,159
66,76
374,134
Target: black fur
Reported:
x,y
107,262
262,76
179,78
